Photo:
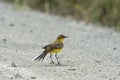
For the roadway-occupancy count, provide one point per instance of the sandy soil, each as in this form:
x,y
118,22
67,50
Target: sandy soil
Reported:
x,y
90,52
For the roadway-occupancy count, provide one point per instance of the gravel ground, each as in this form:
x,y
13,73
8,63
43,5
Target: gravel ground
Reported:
x,y
90,52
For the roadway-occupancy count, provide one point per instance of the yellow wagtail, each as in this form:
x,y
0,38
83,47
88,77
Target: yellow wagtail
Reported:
x,y
54,47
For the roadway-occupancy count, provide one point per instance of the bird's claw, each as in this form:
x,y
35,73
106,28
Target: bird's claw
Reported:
x,y
52,62
58,64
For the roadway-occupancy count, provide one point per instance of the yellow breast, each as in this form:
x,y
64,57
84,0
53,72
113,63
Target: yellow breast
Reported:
x,y
55,51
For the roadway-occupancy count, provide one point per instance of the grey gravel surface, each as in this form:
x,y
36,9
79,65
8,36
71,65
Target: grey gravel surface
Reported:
x,y
91,52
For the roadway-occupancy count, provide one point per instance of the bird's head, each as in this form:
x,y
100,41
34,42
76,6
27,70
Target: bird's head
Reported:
x,y
61,38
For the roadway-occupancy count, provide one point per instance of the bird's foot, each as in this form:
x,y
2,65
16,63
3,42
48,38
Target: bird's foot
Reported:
x,y
59,64
52,62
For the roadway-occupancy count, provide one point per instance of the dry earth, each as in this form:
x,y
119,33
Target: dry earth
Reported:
x,y
90,52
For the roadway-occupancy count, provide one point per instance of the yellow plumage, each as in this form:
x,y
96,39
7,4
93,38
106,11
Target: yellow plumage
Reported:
x,y
54,47
55,51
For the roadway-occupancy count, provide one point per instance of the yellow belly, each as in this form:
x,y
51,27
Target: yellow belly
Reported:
x,y
55,51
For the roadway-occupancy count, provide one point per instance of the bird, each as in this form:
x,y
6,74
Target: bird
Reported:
x,y
54,47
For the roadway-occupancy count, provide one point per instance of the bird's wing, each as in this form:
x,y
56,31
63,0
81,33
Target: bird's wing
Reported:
x,y
52,46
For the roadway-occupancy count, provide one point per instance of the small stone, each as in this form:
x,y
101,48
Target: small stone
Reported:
x,y
33,77
114,78
5,40
5,60
114,48
99,70
99,62
11,78
119,74
11,24
13,64
72,69
17,75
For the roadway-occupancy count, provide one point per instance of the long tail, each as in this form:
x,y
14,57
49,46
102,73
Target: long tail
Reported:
x,y
41,56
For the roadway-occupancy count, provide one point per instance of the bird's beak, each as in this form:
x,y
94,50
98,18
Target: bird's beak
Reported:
x,y
66,36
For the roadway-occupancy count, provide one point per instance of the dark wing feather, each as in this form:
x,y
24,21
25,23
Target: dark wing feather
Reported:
x,y
52,46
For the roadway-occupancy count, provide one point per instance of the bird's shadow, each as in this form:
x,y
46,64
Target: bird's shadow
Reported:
x,y
55,65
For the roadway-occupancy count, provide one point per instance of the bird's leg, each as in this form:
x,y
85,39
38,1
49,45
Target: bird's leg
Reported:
x,y
52,62
57,58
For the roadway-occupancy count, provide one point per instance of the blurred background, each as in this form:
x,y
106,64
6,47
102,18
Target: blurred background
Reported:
x,y
104,12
